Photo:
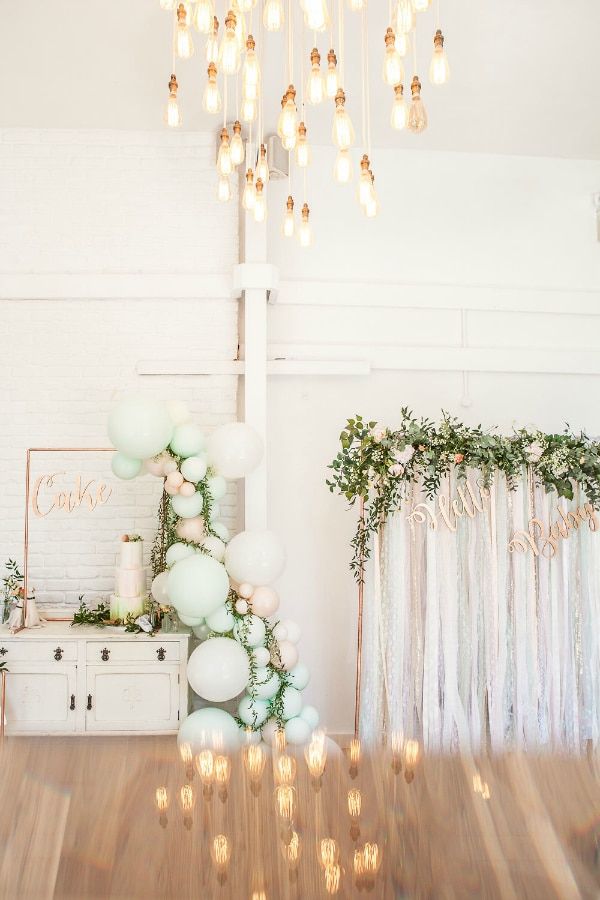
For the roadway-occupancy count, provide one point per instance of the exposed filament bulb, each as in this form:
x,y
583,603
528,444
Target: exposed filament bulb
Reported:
x,y
172,114
184,46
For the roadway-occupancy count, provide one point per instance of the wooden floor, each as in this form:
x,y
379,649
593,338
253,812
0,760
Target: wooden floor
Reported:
x,y
78,819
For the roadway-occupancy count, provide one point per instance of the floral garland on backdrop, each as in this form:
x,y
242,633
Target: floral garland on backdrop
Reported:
x,y
220,588
376,465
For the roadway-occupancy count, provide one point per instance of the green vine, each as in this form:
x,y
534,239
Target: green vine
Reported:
x,y
376,465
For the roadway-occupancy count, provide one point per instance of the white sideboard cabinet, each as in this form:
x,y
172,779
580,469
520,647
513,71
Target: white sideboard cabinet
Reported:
x,y
86,680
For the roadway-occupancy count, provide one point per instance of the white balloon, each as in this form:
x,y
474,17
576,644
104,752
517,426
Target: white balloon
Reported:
x,y
253,712
234,450
217,487
292,703
194,468
255,556
293,632
218,669
188,507
214,546
220,530
250,630
297,731
179,412
299,676
310,715
191,621
176,552
209,727
159,588
221,620
261,656
267,683
140,427
197,585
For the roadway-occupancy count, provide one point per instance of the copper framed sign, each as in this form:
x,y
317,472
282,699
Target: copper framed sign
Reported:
x,y
75,511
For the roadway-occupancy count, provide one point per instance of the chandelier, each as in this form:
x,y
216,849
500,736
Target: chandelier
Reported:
x,y
234,54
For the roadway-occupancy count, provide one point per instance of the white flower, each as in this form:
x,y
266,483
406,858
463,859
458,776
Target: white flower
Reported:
x,y
378,434
404,456
396,469
534,451
144,623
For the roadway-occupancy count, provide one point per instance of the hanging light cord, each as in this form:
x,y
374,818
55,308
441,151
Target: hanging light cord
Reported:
x,y
363,79
366,38
341,55
290,45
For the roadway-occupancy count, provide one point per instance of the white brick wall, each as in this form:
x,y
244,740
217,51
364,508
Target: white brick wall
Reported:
x,y
117,217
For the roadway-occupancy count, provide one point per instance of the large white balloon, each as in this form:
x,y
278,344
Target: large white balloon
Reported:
x,y
234,450
255,556
159,588
209,727
140,427
197,585
218,669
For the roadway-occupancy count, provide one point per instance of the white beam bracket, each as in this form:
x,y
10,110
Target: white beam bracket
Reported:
x,y
255,277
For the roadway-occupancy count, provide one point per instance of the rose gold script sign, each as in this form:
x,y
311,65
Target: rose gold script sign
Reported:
x,y
49,496
470,500
543,540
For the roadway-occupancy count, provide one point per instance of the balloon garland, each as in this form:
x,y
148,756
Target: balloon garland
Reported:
x,y
220,588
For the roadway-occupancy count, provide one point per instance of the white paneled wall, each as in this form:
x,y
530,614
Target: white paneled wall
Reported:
x,y
480,263
122,232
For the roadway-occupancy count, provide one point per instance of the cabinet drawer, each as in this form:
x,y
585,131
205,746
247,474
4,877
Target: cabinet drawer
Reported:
x,y
22,650
120,652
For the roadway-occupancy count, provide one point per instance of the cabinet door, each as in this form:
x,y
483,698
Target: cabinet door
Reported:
x,y
40,699
122,698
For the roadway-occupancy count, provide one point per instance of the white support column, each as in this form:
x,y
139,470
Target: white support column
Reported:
x,y
256,282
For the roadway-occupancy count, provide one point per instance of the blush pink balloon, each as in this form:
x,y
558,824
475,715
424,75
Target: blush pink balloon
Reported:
x,y
241,606
169,466
187,489
170,489
245,590
288,654
265,601
175,479
155,466
191,529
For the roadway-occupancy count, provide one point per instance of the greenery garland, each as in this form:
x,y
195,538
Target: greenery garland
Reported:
x,y
376,465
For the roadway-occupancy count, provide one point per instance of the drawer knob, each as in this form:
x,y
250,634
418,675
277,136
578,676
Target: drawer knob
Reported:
x,y
3,651
105,653
58,653
72,704
89,703
161,653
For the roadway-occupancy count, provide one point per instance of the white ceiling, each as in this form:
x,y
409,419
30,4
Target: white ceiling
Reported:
x,y
525,73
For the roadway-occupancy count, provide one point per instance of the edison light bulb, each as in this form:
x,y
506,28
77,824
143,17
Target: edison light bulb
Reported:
x,y
417,116
240,27
315,87
184,47
405,16
392,63
365,182
439,70
237,144
398,117
288,119
316,14
229,53
262,166
371,208
249,195
224,162
212,43
246,5
302,147
211,100
421,5
260,203
273,15
401,42
332,82
248,111
343,132
342,170
251,71
203,17
172,116
304,232
288,219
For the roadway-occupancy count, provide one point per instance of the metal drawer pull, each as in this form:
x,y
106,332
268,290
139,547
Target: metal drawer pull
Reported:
x,y
105,654
161,653
58,654
89,703
72,704
3,651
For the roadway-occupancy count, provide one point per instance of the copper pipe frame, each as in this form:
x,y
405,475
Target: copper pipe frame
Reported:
x,y
31,450
2,703
359,635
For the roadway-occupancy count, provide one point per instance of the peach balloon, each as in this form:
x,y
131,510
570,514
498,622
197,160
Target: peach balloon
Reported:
x,y
265,601
170,489
191,529
169,466
245,590
155,466
289,655
241,606
175,479
187,489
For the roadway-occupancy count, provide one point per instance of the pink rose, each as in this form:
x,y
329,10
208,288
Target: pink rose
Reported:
x,y
396,469
459,457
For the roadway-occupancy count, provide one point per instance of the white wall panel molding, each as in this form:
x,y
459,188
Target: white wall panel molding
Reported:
x,y
100,286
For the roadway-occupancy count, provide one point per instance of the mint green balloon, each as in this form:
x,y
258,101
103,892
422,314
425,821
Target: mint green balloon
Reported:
x,y
267,683
220,530
297,731
217,486
187,440
253,712
140,427
250,630
124,466
198,585
210,727
187,507
292,703
193,469
221,620
176,552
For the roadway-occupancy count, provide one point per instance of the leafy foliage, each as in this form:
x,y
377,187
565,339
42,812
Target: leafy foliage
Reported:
x,y
377,465
85,615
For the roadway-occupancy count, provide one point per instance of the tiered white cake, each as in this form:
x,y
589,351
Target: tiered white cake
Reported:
x,y
131,590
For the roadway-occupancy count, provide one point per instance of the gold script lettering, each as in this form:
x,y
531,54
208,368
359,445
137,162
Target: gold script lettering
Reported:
x,y
470,501
47,497
545,540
